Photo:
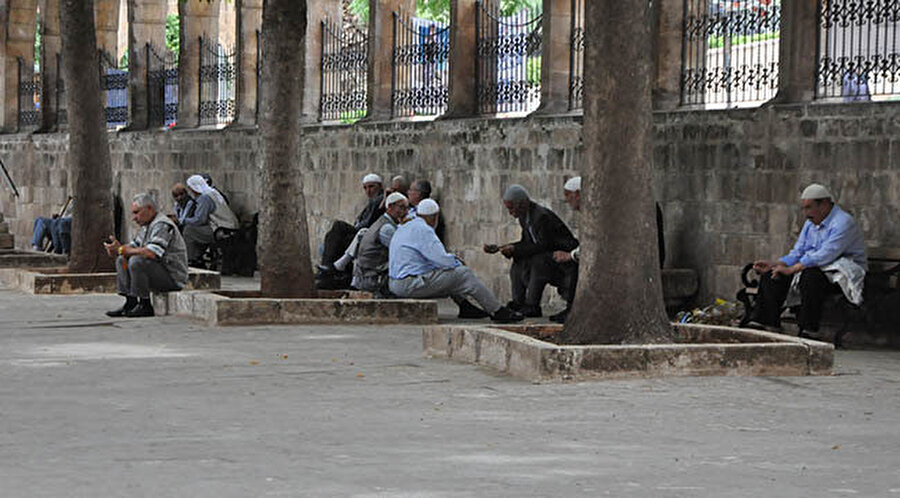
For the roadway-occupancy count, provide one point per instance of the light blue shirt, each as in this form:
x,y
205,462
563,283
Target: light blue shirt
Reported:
x,y
837,235
416,250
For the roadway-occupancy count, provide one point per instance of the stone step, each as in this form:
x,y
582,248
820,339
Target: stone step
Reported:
x,y
6,241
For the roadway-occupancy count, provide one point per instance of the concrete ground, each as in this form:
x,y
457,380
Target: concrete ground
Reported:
x,y
98,407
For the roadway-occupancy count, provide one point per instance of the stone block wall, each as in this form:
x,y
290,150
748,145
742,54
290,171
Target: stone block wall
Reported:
x,y
728,180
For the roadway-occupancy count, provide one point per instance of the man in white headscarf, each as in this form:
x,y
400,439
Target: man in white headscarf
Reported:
x,y
211,213
828,258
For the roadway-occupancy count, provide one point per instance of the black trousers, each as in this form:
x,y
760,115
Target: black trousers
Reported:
x,y
814,288
529,276
337,240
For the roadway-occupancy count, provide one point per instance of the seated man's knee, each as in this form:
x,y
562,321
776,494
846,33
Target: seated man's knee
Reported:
x,y
138,263
812,277
120,262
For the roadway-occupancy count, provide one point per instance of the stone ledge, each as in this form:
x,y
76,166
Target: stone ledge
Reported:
x,y
246,308
705,350
30,259
57,281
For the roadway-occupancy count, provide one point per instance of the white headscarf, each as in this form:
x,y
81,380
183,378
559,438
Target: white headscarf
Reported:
x,y
198,184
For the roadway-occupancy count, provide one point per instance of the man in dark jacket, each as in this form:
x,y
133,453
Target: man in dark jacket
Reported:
x,y
533,264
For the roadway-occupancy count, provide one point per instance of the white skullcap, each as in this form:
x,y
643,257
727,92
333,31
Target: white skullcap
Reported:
x,y
815,191
427,207
394,197
371,178
574,184
516,192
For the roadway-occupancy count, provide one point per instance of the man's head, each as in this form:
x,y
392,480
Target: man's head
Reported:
x,y
420,189
179,194
143,209
572,191
428,210
397,206
197,185
372,185
817,202
399,184
517,200
207,178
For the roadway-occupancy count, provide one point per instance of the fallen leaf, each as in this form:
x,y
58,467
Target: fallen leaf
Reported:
x,y
836,447
360,375
254,362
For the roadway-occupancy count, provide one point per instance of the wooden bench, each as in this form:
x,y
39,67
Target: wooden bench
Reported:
x,y
881,293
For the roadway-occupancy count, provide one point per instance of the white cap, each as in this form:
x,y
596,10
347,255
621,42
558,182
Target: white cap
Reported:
x,y
394,197
371,178
427,207
815,191
573,184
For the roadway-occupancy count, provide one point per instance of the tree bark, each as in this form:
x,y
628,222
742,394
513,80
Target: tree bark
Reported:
x,y
89,159
285,264
619,297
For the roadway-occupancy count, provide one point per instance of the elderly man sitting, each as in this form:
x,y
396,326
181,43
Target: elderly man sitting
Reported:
x,y
420,267
154,261
211,213
828,258
371,270
533,266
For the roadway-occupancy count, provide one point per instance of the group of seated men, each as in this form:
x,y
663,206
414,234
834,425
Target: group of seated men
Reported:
x,y
200,209
396,249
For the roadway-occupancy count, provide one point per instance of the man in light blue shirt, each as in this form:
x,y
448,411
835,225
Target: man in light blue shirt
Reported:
x,y
829,235
420,267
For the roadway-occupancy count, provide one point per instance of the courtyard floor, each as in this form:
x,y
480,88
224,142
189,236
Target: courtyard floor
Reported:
x,y
97,407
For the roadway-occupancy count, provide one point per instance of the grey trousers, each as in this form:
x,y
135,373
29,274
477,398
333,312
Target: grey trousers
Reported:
x,y
529,276
196,238
142,276
459,282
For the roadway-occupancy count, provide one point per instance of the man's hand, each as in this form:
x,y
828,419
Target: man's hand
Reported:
x,y
562,256
112,247
507,250
783,269
763,266
491,248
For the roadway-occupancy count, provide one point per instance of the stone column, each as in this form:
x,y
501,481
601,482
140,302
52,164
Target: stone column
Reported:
x,y
556,56
198,19
106,20
668,28
317,10
19,43
463,39
50,48
249,24
381,39
146,24
797,73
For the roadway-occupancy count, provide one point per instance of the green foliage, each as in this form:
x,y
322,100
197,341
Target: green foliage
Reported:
x,y
439,10
533,71
123,61
173,39
719,41
38,41
350,117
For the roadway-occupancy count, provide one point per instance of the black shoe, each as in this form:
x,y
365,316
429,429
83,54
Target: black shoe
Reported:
x,y
506,315
809,334
514,306
143,309
469,310
560,317
753,324
531,311
129,305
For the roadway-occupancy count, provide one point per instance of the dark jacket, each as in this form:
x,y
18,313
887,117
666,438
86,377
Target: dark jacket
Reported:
x,y
550,233
370,213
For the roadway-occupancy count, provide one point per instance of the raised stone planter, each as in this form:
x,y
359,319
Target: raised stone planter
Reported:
x,y
57,281
29,259
248,308
525,352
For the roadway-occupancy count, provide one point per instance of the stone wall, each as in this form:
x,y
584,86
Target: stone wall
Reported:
x,y
728,180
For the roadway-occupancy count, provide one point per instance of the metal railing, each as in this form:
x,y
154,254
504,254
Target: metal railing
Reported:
x,y
420,67
576,57
217,77
858,50
114,86
29,95
730,52
162,87
508,59
344,65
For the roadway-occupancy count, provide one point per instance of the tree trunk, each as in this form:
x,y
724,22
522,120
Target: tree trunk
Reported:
x,y
285,262
619,296
89,160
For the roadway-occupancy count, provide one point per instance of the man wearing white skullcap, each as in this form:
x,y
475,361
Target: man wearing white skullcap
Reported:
x,y
828,258
533,266
572,194
421,268
342,240
211,213
370,273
